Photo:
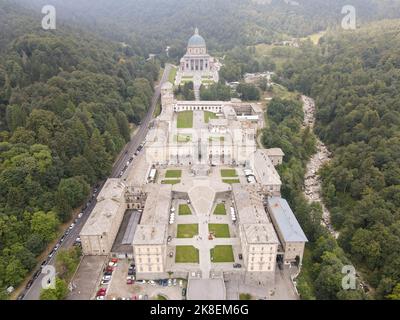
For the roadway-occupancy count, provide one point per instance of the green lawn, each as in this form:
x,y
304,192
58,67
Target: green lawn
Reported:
x,y
219,230
187,230
222,254
175,181
209,115
228,173
245,296
220,209
173,174
157,110
183,138
185,120
186,254
216,139
184,210
172,75
230,181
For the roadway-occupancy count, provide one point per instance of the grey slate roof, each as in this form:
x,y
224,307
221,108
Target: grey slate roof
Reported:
x,y
285,220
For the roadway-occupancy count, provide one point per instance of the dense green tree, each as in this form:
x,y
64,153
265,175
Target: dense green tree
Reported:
x,y
45,225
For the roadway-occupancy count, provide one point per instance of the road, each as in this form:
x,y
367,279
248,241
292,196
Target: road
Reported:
x,y
33,292
131,147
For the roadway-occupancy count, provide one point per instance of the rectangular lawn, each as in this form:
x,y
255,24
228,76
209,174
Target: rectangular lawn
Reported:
x,y
184,210
173,174
228,173
186,254
172,75
171,181
230,181
222,254
219,230
185,120
220,209
209,115
187,230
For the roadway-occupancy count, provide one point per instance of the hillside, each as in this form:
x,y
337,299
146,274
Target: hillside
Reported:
x,y
67,101
154,24
355,79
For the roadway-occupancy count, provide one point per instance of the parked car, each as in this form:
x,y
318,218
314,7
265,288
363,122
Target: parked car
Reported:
x,y
240,256
131,272
152,282
108,273
146,297
109,269
105,282
129,281
141,282
37,274
80,215
184,292
169,239
100,298
21,296
174,282
106,278
140,297
237,265
169,282
29,284
171,254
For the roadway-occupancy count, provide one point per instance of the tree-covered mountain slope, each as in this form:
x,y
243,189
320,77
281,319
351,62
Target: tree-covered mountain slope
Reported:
x,y
67,101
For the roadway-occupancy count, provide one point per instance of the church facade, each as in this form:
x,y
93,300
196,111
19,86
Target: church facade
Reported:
x,y
197,65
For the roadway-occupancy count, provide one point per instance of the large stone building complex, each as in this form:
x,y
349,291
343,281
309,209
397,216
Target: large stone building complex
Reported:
x,y
201,158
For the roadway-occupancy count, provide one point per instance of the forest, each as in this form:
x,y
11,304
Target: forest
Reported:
x,y
355,80
68,102
151,25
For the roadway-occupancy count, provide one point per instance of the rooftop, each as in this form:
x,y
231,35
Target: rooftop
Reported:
x,y
274,152
265,171
150,234
102,217
285,220
112,189
249,205
157,206
260,233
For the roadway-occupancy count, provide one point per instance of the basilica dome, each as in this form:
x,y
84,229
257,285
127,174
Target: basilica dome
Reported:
x,y
196,40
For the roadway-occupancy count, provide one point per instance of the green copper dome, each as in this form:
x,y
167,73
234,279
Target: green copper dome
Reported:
x,y
197,40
